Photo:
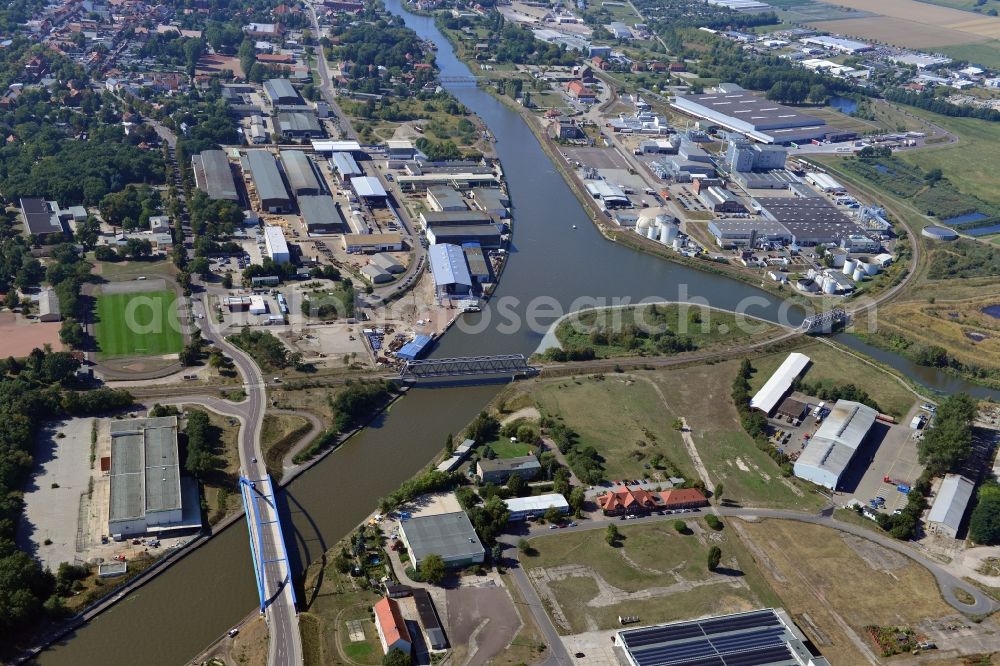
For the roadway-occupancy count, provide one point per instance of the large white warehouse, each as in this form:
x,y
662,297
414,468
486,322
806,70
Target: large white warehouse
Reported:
x,y
831,449
277,248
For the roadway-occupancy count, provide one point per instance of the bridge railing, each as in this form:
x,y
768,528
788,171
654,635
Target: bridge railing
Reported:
x,y
501,364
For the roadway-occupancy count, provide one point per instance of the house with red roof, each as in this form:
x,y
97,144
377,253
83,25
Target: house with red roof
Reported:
x,y
392,631
581,92
638,501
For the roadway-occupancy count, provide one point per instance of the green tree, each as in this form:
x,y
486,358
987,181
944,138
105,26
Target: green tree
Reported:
x,y
433,569
71,333
396,657
680,526
714,557
717,493
577,498
713,521
611,535
984,524
449,444
553,515
523,545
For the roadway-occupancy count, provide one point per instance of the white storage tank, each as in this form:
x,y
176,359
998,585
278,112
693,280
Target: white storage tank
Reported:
x,y
849,266
651,232
677,244
829,285
859,274
871,268
668,232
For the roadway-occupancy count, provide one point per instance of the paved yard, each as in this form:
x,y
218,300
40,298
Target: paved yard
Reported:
x,y
58,486
893,453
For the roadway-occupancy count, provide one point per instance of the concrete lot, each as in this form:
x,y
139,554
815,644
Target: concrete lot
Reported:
x,y
892,452
595,157
332,342
597,647
53,513
482,618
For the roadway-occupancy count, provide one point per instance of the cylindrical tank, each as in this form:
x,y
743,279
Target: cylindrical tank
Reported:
x,y
849,266
859,274
668,232
871,268
829,286
651,232
677,244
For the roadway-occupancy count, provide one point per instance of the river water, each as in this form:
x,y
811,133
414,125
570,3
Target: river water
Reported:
x,y
551,267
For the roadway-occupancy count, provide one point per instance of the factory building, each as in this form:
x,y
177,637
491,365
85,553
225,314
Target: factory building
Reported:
x,y
721,200
330,146
213,175
387,263
277,248
146,489
479,267
442,198
369,188
776,179
825,182
375,274
611,195
298,124
400,149
766,637
453,218
281,92
491,201
48,306
463,180
322,215
486,235
832,448
949,506
449,535
848,46
300,173
741,155
755,117
345,166
748,233
267,181
809,221
448,267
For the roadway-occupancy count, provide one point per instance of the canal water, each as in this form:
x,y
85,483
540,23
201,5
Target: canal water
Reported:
x,y
553,268
843,104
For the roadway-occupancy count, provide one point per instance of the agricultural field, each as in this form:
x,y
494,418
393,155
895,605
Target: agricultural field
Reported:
x,y
623,418
834,585
921,13
657,329
985,53
654,572
137,324
980,6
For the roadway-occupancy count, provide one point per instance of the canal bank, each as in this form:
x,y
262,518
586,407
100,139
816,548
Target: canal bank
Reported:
x,y
556,269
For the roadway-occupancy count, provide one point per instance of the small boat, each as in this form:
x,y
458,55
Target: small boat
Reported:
x,y
574,226
233,632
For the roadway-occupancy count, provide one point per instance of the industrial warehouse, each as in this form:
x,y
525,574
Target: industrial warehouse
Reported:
x,y
757,118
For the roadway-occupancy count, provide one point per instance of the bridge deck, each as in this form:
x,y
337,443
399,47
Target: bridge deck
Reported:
x,y
469,366
267,543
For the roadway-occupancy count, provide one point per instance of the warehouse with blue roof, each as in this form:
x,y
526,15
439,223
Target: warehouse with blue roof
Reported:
x,y
415,348
451,274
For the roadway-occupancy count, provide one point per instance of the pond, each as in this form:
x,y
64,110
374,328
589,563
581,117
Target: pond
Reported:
x,y
968,217
844,104
992,310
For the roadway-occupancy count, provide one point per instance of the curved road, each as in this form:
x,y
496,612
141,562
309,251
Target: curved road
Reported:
x,y
285,643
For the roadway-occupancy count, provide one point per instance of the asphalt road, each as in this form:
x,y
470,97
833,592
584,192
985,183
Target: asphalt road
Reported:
x,y
285,643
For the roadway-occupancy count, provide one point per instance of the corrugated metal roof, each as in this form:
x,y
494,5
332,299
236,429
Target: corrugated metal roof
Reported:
x,y
774,389
537,503
320,211
266,177
367,186
448,265
145,473
299,171
951,502
279,89
274,238
833,446
449,535
345,164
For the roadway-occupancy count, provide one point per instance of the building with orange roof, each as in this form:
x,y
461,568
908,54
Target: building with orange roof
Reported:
x,y
392,631
638,501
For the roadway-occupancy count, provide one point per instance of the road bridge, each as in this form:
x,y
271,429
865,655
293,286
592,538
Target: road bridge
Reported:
x,y
468,367
267,545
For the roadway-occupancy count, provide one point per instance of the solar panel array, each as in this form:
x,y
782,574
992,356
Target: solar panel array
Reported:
x,y
747,639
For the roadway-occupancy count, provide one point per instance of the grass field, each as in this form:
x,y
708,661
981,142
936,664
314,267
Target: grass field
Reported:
x,y
623,419
659,329
504,448
656,573
701,394
834,585
137,324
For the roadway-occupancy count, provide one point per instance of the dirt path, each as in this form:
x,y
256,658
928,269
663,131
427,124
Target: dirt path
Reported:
x,y
530,413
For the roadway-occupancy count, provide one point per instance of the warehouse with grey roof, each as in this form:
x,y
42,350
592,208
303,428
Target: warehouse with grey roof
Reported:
x,y
810,221
146,489
322,215
449,535
831,449
213,175
300,173
754,116
267,181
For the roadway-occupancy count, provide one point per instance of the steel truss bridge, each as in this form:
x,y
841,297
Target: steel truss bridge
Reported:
x,y
503,365
824,322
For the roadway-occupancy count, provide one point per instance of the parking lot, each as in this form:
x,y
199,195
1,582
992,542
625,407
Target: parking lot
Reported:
x,y
892,451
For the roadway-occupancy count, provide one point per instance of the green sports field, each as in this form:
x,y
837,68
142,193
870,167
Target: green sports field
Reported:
x,y
139,324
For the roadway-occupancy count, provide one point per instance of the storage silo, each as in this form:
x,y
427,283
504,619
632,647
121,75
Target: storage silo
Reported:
x,y
677,243
651,232
871,268
829,285
849,266
859,274
668,232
